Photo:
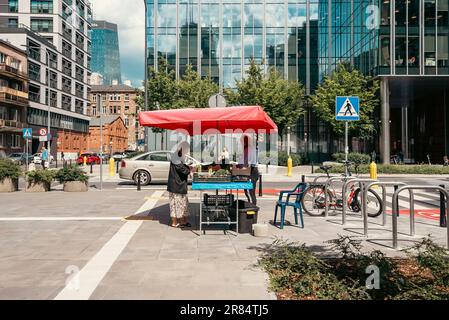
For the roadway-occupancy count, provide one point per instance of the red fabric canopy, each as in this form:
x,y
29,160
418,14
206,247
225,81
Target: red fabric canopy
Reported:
x,y
222,119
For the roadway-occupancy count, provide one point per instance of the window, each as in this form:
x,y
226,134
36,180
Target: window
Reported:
x,y
41,6
13,6
42,25
34,71
126,121
126,96
158,157
15,141
126,108
94,111
13,23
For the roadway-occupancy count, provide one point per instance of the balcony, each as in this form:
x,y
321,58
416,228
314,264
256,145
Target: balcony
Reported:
x,y
12,72
12,96
11,126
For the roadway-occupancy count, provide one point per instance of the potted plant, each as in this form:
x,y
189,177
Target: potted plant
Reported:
x,y
40,180
9,176
74,179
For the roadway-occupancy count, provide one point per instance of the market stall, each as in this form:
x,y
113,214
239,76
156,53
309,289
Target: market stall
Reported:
x,y
216,208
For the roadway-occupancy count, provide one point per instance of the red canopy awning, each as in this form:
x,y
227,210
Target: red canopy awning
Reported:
x,y
231,118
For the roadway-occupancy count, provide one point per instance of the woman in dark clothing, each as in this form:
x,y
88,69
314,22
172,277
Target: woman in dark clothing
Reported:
x,y
177,186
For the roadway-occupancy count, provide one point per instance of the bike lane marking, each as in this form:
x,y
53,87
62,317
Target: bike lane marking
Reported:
x,y
84,283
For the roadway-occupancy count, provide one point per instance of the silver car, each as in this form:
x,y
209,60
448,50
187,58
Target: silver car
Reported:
x,y
153,166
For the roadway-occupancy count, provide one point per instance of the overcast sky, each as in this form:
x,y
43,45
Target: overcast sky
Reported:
x,y
129,15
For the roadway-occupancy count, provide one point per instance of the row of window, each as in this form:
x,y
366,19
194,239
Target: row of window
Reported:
x,y
112,97
40,118
10,140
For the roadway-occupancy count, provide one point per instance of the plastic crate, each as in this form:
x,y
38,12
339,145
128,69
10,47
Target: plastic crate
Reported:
x,y
218,200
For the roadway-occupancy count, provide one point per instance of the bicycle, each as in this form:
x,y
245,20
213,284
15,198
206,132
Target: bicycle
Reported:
x,y
313,201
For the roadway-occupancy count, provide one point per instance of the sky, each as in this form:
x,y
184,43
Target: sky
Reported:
x,y
129,15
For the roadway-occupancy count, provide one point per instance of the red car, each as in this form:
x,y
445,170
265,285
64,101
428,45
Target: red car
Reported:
x,y
92,158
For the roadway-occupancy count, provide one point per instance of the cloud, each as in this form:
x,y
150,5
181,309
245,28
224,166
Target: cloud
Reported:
x,y
129,16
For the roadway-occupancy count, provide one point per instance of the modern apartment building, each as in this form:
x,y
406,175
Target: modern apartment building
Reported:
x,y
106,51
401,43
119,100
13,97
55,34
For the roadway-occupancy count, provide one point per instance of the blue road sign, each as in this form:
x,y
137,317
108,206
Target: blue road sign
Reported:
x,y
27,133
347,108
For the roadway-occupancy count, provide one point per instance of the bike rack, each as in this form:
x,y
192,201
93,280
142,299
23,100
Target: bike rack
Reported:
x,y
395,212
384,184
344,190
326,186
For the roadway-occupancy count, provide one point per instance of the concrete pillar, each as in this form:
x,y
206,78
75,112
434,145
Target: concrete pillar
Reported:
x,y
385,121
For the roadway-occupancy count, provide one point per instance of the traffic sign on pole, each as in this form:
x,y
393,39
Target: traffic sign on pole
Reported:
x,y
347,108
43,132
27,133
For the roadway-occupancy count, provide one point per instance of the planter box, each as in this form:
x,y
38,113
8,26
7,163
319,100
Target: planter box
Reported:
x,y
75,186
9,185
38,187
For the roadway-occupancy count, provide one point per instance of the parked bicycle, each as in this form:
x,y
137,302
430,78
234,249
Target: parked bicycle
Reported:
x,y
313,201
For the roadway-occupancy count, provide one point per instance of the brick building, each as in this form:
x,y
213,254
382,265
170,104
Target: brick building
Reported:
x,y
115,134
13,97
118,100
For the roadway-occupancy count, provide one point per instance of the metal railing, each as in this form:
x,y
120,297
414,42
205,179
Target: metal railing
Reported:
x,y
326,188
395,203
344,190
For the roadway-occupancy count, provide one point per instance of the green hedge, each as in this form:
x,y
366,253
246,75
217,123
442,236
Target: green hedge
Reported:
x,y
353,157
9,169
281,159
392,169
71,173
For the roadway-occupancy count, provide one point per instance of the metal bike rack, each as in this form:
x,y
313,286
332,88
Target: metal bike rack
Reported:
x,y
383,185
344,190
326,186
412,220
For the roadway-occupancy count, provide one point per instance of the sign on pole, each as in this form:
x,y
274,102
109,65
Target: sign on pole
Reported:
x,y
27,133
347,108
43,132
43,138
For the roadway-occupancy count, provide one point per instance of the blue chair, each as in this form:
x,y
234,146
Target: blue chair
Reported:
x,y
297,194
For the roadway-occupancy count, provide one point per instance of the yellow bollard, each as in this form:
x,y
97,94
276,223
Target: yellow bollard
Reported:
x,y
85,161
111,167
373,171
289,166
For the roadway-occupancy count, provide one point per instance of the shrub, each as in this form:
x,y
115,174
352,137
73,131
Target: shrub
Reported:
x,y
9,169
282,158
41,176
355,157
71,173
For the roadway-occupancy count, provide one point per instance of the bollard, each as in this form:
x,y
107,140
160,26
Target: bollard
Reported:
x,y
443,221
56,163
303,179
396,188
312,167
118,162
138,180
85,160
373,172
91,168
260,186
289,166
70,162
111,167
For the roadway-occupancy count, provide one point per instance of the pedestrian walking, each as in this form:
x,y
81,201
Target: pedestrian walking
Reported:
x,y
44,157
177,186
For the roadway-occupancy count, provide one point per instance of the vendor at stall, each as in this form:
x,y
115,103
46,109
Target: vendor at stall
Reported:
x,y
248,157
177,186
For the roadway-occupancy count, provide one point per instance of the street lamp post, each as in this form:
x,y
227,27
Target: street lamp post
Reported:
x,y
146,147
48,103
100,109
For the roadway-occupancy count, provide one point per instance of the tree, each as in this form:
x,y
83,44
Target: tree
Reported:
x,y
193,91
345,81
280,98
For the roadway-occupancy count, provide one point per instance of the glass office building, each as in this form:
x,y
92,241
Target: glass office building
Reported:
x,y
402,43
106,52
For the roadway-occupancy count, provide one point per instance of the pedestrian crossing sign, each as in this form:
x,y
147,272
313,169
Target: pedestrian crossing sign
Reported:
x,y
27,133
347,108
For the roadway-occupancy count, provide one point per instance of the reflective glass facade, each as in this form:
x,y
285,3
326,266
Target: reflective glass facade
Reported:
x,y
403,43
105,51
218,38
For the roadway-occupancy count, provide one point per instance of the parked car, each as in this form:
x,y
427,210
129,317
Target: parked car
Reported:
x,y
92,158
38,160
153,167
118,156
21,158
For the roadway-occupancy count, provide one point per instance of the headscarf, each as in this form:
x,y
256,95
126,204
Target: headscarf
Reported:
x,y
184,147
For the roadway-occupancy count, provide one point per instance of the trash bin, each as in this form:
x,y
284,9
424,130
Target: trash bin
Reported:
x,y
247,216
